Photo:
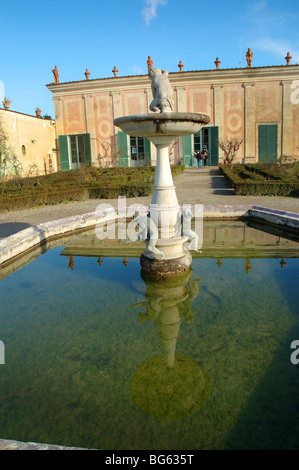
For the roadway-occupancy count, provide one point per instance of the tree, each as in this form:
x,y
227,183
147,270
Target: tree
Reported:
x,y
9,163
230,149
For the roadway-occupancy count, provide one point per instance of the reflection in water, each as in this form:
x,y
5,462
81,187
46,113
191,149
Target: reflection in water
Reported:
x,y
171,386
71,262
77,354
247,266
282,263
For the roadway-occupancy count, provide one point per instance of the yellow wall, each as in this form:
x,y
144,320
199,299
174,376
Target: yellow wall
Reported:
x,y
37,135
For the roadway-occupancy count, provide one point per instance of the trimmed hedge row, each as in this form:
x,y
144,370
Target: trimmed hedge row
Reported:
x,y
249,180
288,172
78,185
11,201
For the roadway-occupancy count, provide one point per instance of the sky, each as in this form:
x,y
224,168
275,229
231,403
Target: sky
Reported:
x,y
101,34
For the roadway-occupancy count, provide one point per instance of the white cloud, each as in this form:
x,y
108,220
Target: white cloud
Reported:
x,y
263,16
138,70
150,10
277,47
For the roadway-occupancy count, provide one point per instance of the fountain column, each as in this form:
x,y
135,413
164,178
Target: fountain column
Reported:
x,y
164,208
165,251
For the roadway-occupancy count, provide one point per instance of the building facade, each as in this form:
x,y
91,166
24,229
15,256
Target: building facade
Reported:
x,y
256,105
32,140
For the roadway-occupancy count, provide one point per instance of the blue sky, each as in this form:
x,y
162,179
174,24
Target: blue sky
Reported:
x,y
98,34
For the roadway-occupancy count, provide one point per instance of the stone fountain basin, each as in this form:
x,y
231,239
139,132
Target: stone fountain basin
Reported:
x,y
167,124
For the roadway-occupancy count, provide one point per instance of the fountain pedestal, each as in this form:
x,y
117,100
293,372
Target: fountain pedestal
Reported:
x,y
161,129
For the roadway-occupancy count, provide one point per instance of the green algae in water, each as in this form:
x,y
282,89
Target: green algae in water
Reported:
x,y
78,343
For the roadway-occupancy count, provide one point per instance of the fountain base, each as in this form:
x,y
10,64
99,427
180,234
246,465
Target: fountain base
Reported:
x,y
166,266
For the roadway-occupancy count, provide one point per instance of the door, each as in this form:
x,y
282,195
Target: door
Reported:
x,y
77,157
123,148
74,151
213,148
207,138
268,140
187,150
137,151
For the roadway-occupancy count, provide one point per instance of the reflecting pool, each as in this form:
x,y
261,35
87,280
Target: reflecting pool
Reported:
x,y
99,354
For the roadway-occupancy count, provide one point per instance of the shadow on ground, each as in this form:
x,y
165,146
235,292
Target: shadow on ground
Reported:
x,y
220,185
10,228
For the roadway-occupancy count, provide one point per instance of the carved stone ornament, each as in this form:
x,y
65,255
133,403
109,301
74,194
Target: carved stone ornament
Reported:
x,y
217,63
163,101
288,58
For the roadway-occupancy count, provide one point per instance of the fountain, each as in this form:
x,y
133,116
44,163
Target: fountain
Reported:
x,y
166,250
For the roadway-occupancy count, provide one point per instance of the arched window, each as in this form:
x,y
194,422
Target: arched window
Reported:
x,y
23,150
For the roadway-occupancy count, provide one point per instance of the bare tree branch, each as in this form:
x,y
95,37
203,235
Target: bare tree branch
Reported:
x,y
230,149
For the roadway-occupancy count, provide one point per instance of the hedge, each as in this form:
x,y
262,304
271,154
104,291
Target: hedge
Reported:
x,y
78,185
250,180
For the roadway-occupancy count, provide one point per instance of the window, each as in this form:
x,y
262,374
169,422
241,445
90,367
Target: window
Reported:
x,y
137,148
23,150
197,142
74,151
77,150
201,139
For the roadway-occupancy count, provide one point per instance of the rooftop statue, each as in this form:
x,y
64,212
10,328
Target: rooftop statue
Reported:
x,y
162,92
56,75
249,55
149,63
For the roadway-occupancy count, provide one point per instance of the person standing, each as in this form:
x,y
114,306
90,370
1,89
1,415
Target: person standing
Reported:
x,y
205,155
198,158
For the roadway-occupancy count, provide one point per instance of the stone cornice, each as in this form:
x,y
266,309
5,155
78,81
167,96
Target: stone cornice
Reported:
x,y
178,79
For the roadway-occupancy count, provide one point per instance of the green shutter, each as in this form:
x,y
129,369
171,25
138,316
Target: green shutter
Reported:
x,y
87,151
272,143
123,148
147,148
187,150
63,152
213,159
262,144
268,135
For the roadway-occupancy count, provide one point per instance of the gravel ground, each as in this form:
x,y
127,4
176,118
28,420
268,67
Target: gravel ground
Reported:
x,y
194,186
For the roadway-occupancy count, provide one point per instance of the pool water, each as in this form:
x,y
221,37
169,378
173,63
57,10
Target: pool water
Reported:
x,y
100,355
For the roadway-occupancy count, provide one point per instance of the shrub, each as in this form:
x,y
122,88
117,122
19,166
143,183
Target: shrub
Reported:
x,y
77,185
262,180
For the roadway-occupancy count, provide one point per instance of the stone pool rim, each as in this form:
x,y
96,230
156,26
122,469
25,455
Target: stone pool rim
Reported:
x,y
25,240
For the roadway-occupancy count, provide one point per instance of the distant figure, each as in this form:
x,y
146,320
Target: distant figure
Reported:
x,y
198,158
249,55
56,75
162,91
149,63
204,155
